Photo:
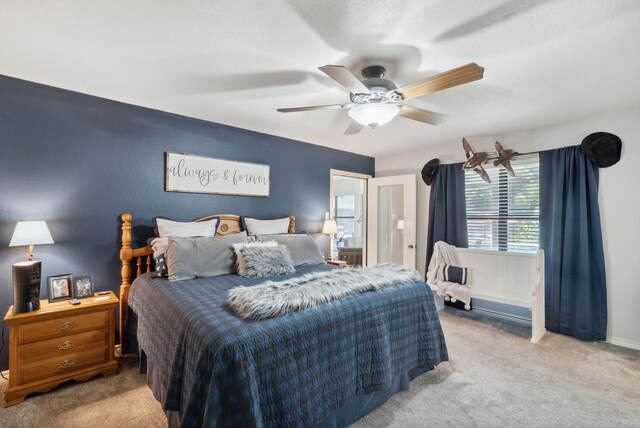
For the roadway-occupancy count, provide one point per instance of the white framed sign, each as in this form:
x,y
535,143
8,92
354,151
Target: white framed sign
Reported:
x,y
200,174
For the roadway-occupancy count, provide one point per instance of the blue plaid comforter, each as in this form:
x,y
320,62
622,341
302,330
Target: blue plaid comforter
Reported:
x,y
289,371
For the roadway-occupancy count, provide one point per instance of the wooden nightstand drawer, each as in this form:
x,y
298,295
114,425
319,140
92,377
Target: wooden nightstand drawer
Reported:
x,y
63,326
61,346
62,364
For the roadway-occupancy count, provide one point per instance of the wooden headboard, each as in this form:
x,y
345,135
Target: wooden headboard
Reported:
x,y
228,225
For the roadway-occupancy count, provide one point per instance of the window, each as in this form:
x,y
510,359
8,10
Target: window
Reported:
x,y
348,207
345,211
505,215
348,216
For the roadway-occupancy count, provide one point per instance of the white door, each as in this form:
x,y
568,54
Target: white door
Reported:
x,y
392,220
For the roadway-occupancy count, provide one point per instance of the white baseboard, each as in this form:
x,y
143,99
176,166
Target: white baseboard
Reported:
x,y
612,340
624,343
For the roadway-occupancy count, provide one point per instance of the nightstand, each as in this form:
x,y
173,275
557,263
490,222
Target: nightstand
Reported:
x,y
57,343
340,263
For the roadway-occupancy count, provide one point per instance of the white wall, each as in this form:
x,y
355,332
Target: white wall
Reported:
x,y
619,202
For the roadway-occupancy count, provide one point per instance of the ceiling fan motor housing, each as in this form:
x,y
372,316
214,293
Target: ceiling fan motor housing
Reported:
x,y
379,87
373,71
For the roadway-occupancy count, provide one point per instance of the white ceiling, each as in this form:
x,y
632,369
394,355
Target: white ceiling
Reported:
x,y
236,61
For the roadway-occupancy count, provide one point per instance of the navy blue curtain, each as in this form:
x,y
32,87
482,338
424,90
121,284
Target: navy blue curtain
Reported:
x,y
571,237
447,208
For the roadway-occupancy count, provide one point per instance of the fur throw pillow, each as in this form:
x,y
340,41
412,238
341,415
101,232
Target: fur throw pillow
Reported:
x,y
262,259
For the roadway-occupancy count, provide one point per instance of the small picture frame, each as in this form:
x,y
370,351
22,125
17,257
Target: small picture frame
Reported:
x,y
60,287
82,287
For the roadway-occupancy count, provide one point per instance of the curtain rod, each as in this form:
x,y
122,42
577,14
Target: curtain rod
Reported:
x,y
492,156
489,154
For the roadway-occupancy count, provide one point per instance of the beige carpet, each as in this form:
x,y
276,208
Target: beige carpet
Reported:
x,y
495,378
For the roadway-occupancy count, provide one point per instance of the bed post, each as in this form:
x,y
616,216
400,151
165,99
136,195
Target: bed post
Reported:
x,y
125,273
292,224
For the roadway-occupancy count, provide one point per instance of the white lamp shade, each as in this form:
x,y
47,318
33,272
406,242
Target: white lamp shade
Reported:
x,y
31,233
329,227
373,114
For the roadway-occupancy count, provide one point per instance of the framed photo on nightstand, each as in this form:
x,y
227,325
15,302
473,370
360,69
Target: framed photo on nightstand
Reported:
x,y
82,287
60,287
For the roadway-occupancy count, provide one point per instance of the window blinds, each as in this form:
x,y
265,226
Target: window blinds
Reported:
x,y
504,215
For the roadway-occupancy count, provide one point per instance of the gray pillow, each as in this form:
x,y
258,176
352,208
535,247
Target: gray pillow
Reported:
x,y
263,259
202,257
302,247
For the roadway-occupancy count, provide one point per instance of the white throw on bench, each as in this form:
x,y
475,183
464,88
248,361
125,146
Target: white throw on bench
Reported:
x,y
510,278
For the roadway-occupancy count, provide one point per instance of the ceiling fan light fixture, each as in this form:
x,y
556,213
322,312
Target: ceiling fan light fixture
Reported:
x,y
374,114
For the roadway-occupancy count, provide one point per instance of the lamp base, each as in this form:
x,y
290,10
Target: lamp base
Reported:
x,y
26,286
19,308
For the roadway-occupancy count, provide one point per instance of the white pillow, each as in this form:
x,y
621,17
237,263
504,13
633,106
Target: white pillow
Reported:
x,y
267,227
186,229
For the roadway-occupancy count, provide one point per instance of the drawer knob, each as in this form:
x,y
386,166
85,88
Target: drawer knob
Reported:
x,y
66,326
66,345
66,364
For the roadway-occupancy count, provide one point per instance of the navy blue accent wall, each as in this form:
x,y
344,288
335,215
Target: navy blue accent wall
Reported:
x,y
79,161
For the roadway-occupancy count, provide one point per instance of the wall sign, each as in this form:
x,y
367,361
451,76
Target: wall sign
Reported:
x,y
199,174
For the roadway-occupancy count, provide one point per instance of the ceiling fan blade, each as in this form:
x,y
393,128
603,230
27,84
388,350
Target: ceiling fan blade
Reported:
x,y
353,128
448,79
344,77
322,107
422,115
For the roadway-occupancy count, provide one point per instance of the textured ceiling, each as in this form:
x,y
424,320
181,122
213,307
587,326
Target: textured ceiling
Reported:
x,y
235,62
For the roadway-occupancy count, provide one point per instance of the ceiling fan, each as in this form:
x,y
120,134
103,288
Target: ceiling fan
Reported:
x,y
376,100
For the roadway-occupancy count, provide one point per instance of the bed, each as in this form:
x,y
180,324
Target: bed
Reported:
x,y
326,366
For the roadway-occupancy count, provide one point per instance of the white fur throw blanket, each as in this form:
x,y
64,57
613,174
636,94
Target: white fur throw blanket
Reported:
x,y
445,254
271,299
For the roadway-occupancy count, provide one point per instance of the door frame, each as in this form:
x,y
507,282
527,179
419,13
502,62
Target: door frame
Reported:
x,y
365,205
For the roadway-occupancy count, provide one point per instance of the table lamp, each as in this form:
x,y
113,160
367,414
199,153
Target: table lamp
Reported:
x,y
330,227
26,275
